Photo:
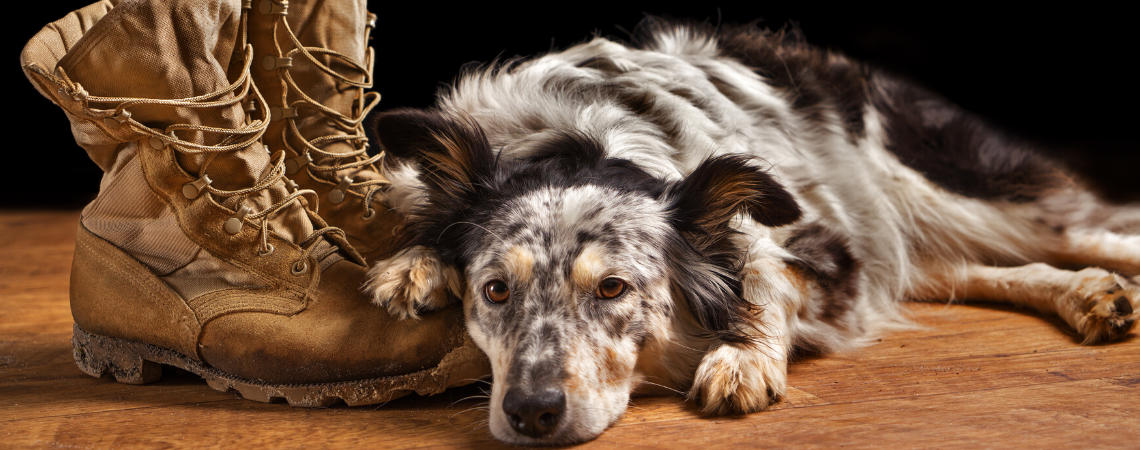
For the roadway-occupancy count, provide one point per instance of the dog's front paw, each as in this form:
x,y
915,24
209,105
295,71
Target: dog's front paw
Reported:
x,y
1111,305
739,379
410,282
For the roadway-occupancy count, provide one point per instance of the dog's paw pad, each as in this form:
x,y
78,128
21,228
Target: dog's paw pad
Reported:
x,y
774,396
1117,315
1110,313
1123,306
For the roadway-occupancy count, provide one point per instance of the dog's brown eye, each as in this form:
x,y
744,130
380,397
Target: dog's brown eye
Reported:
x,y
610,288
497,291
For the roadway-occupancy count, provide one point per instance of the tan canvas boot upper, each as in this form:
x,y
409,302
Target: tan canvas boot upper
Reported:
x,y
313,66
197,252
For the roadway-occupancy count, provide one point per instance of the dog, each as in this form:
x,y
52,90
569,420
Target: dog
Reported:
x,y
688,212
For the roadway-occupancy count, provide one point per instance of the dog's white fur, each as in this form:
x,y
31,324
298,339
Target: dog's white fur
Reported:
x,y
912,238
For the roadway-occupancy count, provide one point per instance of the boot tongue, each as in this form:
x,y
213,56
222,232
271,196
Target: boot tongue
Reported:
x,y
178,50
341,30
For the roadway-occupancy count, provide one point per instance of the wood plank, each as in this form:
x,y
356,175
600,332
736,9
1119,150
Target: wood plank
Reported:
x,y
44,309
970,376
1086,414
34,273
912,365
399,424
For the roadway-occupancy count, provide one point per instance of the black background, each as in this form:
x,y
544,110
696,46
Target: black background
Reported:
x,y
1062,77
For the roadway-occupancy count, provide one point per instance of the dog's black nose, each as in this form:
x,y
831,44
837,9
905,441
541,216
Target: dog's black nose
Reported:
x,y
534,414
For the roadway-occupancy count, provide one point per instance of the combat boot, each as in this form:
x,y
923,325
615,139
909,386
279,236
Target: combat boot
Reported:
x,y
197,252
313,66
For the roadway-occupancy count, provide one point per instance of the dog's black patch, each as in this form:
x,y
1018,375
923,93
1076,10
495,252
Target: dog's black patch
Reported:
x,y
957,150
566,159
823,257
603,64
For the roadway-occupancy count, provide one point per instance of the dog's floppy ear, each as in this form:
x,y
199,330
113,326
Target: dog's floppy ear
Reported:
x,y
452,151
723,186
456,167
707,263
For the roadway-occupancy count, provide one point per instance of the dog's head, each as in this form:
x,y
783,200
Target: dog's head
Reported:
x,y
584,275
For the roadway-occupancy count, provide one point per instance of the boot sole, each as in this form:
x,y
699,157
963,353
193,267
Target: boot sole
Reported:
x,y
134,362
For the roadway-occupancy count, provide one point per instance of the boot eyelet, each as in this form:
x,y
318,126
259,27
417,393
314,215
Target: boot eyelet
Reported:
x,y
369,214
267,252
299,267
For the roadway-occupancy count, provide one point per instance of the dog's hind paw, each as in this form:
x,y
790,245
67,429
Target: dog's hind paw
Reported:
x,y
739,379
1112,305
411,282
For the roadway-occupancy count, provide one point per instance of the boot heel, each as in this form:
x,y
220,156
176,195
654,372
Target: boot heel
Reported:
x,y
97,355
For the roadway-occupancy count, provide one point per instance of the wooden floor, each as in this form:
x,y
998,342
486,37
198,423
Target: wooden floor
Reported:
x,y
974,377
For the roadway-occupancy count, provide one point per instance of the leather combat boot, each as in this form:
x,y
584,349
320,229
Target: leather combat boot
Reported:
x,y
313,64
197,252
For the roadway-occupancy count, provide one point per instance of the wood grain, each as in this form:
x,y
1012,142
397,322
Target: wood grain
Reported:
x,y
970,377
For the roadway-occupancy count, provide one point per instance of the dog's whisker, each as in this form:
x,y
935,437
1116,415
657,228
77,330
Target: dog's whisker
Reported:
x,y
477,408
475,424
380,405
469,398
472,224
631,405
477,380
662,386
673,341
478,424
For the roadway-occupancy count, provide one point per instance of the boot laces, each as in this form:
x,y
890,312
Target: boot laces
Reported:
x,y
352,126
236,139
